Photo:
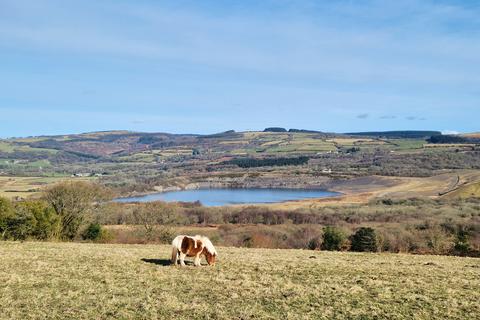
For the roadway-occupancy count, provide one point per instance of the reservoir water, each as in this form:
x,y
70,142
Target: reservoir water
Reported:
x,y
221,197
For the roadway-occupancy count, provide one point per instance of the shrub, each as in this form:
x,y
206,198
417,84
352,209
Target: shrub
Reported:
x,y
20,226
95,232
462,246
364,239
6,213
333,239
314,243
165,234
28,219
45,223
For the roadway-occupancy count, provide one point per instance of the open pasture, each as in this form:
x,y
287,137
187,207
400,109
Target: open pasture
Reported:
x,y
85,281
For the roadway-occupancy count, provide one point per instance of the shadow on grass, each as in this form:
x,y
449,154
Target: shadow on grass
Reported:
x,y
160,262
166,262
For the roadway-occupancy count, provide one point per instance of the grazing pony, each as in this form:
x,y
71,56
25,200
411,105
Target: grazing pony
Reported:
x,y
186,246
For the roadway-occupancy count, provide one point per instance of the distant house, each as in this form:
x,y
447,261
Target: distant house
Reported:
x,y
82,174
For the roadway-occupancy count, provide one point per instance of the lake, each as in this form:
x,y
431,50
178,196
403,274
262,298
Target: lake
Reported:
x,y
222,197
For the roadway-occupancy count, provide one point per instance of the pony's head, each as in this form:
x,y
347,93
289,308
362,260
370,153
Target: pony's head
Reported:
x,y
209,251
211,257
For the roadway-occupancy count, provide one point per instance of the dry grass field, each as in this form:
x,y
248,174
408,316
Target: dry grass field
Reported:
x,y
25,187
92,281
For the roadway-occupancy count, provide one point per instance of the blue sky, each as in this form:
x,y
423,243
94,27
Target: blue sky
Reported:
x,y
209,66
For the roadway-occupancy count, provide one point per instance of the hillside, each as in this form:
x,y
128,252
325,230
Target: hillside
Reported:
x,y
472,135
144,162
468,190
64,280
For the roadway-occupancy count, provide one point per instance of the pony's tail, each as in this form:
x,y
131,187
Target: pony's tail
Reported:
x,y
174,255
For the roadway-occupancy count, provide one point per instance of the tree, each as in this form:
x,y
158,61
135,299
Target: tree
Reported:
x,y
152,214
333,239
73,202
364,239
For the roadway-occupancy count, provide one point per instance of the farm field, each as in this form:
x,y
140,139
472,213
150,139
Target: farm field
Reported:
x,y
64,280
25,187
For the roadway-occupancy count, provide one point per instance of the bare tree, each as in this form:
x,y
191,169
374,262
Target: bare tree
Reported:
x,y
73,202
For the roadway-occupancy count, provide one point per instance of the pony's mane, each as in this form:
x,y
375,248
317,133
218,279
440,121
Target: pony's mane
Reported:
x,y
208,244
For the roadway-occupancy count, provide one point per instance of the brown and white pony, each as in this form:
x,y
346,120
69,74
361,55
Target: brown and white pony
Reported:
x,y
186,246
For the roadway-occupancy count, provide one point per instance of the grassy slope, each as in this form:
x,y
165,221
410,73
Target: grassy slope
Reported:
x,y
71,280
466,191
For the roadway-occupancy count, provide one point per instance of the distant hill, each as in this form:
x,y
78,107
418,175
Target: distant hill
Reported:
x,y
397,134
475,135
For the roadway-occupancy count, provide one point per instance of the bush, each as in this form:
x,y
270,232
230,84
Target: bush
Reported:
x,y
333,239
95,232
45,223
165,234
20,226
314,243
6,213
28,219
365,239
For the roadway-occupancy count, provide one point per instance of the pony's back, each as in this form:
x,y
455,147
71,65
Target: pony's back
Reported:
x,y
208,244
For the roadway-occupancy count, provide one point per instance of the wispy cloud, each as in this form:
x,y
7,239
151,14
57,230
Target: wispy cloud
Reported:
x,y
363,116
450,132
388,117
299,45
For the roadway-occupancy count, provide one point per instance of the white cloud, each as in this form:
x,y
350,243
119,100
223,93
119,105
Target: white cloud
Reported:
x,y
450,132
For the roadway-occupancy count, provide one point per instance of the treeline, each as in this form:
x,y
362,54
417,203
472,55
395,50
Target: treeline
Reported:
x,y
451,139
252,162
293,130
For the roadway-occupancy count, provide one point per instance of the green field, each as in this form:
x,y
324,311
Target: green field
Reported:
x,y
11,147
92,281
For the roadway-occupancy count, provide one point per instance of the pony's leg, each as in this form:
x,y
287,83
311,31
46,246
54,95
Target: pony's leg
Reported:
x,y
182,258
174,256
197,260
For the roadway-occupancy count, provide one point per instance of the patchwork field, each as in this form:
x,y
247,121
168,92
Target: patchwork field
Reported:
x,y
25,187
85,281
